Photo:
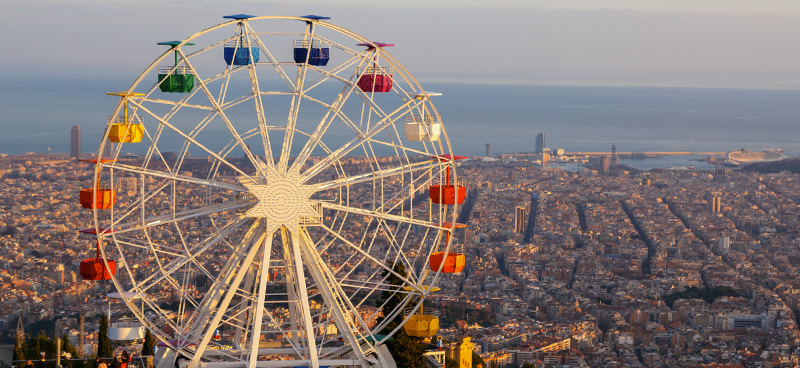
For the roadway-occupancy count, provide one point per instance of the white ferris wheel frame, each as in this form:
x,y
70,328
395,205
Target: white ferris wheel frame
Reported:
x,y
304,261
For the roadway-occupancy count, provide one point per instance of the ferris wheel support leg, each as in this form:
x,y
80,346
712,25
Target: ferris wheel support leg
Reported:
x,y
333,299
223,306
239,335
311,343
263,276
291,283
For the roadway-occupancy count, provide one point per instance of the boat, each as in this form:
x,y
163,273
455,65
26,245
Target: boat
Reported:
x,y
744,155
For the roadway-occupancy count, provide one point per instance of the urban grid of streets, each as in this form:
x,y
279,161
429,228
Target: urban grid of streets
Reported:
x,y
580,284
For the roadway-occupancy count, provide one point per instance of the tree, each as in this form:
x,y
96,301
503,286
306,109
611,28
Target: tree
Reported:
x,y
149,343
104,348
406,350
67,347
19,349
477,361
40,344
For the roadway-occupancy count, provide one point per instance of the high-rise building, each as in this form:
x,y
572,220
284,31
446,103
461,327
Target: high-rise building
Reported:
x,y
716,203
604,165
75,142
614,157
488,149
520,219
724,244
540,146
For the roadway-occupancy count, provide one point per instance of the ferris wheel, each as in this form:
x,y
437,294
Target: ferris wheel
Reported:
x,y
270,185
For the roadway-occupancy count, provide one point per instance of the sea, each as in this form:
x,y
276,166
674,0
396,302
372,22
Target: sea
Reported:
x,y
37,113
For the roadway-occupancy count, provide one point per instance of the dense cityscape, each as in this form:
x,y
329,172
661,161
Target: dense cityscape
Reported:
x,y
606,267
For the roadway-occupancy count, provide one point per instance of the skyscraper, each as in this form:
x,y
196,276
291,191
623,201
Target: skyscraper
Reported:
x,y
614,157
488,149
520,219
540,143
75,142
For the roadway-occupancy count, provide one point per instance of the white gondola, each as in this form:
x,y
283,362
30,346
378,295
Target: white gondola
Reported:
x,y
422,128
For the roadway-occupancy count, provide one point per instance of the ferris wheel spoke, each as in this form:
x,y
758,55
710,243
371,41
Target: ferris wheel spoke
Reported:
x,y
175,176
215,305
356,142
262,121
276,65
379,174
294,106
382,215
195,142
216,104
380,264
334,110
180,260
179,216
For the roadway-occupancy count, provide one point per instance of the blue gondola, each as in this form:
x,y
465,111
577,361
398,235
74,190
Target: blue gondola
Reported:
x,y
320,52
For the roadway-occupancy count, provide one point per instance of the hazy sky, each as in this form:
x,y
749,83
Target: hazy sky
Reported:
x,y
585,42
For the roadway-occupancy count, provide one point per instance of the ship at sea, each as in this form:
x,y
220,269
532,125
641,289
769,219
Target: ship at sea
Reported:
x,y
743,156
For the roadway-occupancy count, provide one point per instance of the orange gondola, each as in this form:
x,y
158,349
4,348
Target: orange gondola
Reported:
x,y
100,198
448,193
450,262
95,269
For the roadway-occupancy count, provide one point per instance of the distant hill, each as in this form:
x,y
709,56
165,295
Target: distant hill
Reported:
x,y
790,164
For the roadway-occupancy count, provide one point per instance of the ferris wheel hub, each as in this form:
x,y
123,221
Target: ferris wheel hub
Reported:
x,y
282,201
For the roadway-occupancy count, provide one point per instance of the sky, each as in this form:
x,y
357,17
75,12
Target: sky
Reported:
x,y
702,43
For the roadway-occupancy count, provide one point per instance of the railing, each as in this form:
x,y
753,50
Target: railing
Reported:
x,y
241,45
434,359
413,118
313,220
136,362
376,70
120,119
315,44
174,70
426,311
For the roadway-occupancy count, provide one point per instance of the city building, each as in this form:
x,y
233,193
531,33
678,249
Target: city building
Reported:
x,y
520,219
540,146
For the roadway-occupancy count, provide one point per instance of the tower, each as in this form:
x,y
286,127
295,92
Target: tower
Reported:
x,y
75,142
614,157
540,146
20,328
716,203
488,149
464,354
520,219
60,273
